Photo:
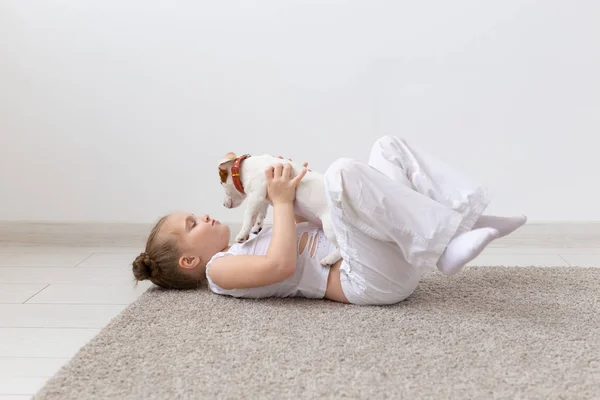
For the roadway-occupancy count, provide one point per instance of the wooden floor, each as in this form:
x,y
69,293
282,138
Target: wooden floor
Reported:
x,y
53,299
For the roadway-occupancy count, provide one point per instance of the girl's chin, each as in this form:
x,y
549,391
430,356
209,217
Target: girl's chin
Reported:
x,y
223,228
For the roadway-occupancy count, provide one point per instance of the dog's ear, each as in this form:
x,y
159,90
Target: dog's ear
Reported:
x,y
225,165
227,160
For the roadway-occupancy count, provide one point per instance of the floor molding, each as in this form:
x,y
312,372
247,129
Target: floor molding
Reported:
x,y
552,234
84,234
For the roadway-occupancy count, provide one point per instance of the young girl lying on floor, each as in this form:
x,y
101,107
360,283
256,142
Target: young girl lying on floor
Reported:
x,y
429,213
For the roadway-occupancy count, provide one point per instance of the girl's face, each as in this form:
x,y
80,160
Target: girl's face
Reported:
x,y
200,237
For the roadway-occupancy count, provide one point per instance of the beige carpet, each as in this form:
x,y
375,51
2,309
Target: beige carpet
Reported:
x,y
489,333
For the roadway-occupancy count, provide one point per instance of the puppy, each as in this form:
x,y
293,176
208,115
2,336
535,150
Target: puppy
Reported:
x,y
243,178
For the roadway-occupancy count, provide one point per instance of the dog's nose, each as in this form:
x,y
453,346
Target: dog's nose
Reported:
x,y
227,204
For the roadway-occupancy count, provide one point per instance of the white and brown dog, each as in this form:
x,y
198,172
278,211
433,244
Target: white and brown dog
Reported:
x,y
244,178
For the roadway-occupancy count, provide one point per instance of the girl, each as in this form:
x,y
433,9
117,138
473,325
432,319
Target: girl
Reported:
x,y
402,213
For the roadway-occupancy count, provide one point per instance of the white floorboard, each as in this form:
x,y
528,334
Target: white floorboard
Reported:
x,y
22,386
57,315
28,367
43,342
109,260
123,293
35,259
582,260
53,275
19,292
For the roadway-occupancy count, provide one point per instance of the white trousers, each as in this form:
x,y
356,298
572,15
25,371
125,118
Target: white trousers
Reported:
x,y
394,217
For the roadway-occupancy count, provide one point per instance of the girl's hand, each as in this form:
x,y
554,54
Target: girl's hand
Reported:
x,y
280,187
289,159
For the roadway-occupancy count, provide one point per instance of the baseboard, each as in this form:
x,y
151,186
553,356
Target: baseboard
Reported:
x,y
82,234
534,234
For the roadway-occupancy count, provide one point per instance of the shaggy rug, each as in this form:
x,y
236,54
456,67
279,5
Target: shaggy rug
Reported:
x,y
487,333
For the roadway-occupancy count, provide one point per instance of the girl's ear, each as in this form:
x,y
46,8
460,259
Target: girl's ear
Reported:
x,y
189,261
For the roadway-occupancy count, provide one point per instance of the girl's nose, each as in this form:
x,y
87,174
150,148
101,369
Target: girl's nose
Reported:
x,y
206,218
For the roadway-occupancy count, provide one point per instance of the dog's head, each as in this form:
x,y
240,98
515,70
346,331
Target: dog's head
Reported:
x,y
233,197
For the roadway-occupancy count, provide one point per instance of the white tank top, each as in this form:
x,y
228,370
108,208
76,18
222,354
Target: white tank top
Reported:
x,y
310,277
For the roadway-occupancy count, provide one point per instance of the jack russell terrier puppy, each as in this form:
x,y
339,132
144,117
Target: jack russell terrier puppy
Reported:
x,y
244,178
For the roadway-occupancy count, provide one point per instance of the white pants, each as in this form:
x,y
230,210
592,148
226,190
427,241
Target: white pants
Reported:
x,y
394,218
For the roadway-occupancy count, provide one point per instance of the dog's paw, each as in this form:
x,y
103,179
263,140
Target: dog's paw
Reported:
x,y
241,238
257,227
331,258
326,262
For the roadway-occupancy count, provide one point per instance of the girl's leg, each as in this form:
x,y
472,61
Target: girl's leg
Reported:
x,y
431,177
365,205
374,271
362,199
464,248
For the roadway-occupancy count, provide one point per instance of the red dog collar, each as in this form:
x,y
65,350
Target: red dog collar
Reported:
x,y
235,173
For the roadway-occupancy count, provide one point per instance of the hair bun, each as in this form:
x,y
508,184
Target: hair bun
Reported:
x,y
144,267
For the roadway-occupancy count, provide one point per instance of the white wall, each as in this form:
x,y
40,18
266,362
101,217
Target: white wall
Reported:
x,y
118,111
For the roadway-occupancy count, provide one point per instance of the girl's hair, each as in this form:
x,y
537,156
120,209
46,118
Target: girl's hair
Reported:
x,y
160,262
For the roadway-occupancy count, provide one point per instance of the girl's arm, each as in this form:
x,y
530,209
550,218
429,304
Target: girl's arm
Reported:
x,y
246,271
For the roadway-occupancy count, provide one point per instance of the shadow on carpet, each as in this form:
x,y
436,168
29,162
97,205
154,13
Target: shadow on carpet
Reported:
x,y
489,332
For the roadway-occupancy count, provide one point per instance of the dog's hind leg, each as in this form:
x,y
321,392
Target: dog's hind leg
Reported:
x,y
335,255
